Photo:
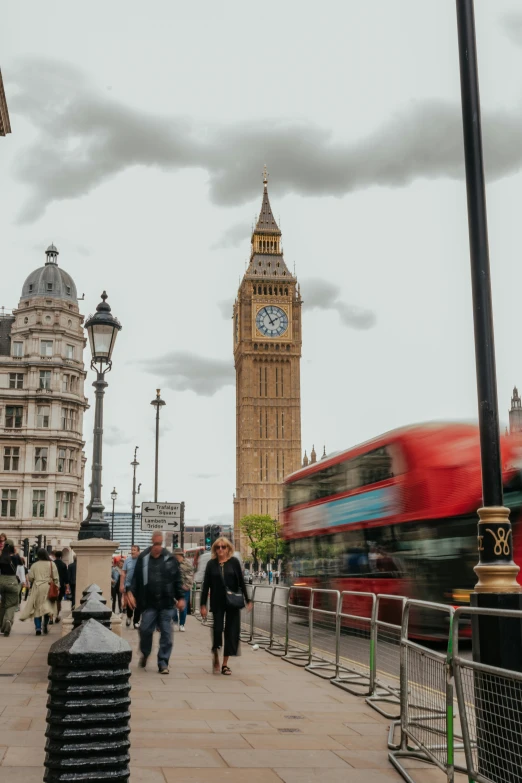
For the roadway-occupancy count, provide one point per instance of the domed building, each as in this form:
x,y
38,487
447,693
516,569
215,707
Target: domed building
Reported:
x,y
42,403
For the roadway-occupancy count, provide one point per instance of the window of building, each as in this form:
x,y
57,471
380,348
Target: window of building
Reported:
x,y
30,287
43,416
57,504
68,419
46,347
45,379
8,506
40,460
18,349
14,416
16,380
69,351
49,286
66,504
11,457
68,289
65,382
38,502
71,461
61,460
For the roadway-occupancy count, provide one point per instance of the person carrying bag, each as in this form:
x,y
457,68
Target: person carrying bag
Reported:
x,y
228,595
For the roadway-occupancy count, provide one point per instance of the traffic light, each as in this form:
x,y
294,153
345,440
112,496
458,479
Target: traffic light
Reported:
x,y
175,540
215,533
208,536
26,548
39,541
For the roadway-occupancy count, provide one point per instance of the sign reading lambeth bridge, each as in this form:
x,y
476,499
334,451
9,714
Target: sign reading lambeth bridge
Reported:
x,y
161,516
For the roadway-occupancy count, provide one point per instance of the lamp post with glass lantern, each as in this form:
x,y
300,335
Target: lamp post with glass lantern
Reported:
x,y
102,328
114,495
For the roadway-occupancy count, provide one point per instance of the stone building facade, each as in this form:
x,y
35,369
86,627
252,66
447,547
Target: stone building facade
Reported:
x,y
42,403
267,356
5,125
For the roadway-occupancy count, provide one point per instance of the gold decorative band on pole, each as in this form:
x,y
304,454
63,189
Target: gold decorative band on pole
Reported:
x,y
496,571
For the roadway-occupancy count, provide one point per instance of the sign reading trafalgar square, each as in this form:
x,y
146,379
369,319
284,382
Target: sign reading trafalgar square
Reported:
x,y
161,516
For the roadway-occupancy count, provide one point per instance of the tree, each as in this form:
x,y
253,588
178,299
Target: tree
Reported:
x,y
263,534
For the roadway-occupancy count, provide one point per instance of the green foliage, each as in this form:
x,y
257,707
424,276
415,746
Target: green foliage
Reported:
x,y
263,534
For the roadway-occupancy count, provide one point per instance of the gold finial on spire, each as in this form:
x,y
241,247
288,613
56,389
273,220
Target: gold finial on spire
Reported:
x,y
265,177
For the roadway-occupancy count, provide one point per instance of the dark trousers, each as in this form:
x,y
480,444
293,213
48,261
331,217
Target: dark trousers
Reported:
x,y
150,620
73,595
116,596
133,615
228,621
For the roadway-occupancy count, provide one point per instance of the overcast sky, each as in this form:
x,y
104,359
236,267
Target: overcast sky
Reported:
x,y
140,131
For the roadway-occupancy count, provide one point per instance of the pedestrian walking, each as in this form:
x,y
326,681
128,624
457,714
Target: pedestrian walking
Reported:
x,y
42,575
127,573
228,595
115,584
64,580
71,578
9,584
187,579
156,585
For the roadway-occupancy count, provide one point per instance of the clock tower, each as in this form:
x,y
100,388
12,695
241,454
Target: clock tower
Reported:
x,y
267,355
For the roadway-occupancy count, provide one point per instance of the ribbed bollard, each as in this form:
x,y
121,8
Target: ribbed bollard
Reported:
x,y
88,707
93,609
92,590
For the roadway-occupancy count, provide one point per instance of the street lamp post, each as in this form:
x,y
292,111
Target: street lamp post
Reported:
x,y
114,496
102,328
158,403
496,641
134,464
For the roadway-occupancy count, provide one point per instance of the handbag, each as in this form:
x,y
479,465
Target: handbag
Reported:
x,y
234,600
54,590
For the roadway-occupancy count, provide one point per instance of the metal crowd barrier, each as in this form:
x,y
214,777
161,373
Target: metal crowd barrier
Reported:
x,y
261,610
324,633
426,694
278,624
247,630
299,639
355,646
386,654
490,709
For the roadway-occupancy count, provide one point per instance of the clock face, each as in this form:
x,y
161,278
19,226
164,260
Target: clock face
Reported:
x,y
271,321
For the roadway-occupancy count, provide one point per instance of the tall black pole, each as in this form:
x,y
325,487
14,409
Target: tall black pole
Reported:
x,y
94,525
158,403
496,642
134,464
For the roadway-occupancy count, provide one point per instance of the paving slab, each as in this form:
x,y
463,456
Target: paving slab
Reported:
x,y
270,722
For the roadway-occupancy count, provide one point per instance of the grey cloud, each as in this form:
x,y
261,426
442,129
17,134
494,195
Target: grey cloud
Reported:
x,y
115,436
183,371
225,307
320,294
232,237
85,137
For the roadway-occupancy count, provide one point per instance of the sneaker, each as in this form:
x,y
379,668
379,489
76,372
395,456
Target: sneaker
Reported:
x,y
45,629
136,626
142,663
164,670
38,632
127,622
7,627
181,627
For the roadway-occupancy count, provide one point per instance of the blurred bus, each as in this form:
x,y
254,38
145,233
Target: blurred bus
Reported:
x,y
397,515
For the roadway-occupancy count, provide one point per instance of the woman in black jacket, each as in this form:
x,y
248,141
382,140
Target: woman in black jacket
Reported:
x,y
223,569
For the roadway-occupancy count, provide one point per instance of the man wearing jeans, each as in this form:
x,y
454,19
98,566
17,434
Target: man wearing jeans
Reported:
x,y
156,586
125,585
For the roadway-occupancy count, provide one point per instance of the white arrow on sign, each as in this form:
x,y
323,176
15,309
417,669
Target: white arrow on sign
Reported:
x,y
160,516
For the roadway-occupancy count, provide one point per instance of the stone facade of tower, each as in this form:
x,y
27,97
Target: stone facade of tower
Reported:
x,y
41,409
515,413
267,356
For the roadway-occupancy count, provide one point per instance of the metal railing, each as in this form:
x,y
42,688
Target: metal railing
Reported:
x,y
369,645
490,709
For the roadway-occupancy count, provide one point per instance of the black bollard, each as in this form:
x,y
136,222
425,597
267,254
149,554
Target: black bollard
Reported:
x,y
92,608
88,707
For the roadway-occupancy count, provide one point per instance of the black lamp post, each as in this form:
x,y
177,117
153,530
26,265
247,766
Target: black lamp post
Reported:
x,y
102,328
496,641
114,496
134,465
158,403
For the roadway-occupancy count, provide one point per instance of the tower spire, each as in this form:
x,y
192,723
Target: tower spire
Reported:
x,y
265,177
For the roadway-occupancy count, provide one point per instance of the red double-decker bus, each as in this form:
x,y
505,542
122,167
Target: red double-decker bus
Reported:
x,y
398,514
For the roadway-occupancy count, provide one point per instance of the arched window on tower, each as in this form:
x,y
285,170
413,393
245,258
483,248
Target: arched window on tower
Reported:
x,y
270,290
264,290
286,291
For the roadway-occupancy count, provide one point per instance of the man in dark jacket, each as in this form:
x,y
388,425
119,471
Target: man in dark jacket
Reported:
x,y
156,586
64,581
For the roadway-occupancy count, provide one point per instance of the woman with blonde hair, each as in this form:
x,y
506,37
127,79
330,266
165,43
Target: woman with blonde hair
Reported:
x,y
228,595
41,574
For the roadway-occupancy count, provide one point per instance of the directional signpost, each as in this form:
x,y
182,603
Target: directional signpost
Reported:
x,y
161,516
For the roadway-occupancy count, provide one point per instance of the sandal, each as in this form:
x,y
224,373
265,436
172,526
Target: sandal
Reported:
x,y
226,671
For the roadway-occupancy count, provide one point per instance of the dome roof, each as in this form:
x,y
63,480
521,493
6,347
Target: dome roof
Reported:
x,y
50,281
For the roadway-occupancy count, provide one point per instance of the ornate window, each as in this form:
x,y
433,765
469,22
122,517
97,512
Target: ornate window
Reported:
x,y
11,457
46,347
40,460
38,502
14,416
8,505
16,380
45,379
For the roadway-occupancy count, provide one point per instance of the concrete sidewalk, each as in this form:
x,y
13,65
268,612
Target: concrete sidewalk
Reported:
x,y
269,722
